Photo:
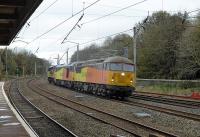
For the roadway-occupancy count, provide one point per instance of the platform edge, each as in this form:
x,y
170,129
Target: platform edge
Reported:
x,y
26,127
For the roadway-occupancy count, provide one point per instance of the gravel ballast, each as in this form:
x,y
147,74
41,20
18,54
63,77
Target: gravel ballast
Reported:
x,y
80,124
85,126
177,125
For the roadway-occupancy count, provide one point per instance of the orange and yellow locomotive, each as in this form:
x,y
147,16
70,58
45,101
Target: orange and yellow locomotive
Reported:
x,y
113,76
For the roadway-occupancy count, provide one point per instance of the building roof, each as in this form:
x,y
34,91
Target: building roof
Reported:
x,y
13,15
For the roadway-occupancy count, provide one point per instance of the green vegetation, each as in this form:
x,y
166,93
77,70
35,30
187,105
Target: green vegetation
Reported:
x,y
110,47
167,47
20,63
168,89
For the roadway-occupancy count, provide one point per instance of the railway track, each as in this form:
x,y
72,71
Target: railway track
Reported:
x,y
135,128
171,96
168,101
182,114
169,111
40,123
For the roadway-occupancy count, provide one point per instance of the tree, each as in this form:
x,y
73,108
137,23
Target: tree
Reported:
x,y
188,62
19,62
158,46
110,47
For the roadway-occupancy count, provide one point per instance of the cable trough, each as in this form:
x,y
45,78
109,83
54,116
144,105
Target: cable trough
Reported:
x,y
39,122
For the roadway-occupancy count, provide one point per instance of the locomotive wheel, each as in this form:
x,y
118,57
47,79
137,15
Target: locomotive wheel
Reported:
x,y
108,93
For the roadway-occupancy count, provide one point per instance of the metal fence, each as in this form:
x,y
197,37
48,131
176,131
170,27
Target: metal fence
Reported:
x,y
168,82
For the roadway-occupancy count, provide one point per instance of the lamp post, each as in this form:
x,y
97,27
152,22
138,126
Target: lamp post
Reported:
x,y
35,61
6,64
35,68
58,60
77,55
134,49
135,31
23,70
67,54
77,44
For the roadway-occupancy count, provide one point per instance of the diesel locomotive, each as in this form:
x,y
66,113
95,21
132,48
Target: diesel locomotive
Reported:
x,y
113,76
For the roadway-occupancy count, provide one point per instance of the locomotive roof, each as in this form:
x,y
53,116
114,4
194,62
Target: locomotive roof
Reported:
x,y
118,59
61,66
115,59
88,62
51,66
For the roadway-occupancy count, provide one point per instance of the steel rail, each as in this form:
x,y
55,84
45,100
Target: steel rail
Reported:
x,y
64,130
66,102
169,111
182,114
18,111
169,101
179,97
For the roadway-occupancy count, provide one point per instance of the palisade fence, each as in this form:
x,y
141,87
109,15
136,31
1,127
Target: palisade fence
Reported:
x,y
171,83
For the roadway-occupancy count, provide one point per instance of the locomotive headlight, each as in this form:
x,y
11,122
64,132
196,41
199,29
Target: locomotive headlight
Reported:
x,y
112,80
131,81
123,74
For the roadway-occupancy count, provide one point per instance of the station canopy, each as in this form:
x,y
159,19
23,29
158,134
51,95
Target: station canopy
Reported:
x,y
13,15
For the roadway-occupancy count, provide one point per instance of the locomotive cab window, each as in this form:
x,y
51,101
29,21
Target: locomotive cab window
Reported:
x,y
116,66
121,67
78,69
71,68
128,67
107,66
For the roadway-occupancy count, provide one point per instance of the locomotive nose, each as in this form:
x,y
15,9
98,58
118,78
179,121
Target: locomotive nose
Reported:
x,y
122,79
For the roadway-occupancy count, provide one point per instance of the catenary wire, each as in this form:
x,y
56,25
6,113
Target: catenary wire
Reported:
x,y
113,12
105,37
63,22
193,11
43,11
72,29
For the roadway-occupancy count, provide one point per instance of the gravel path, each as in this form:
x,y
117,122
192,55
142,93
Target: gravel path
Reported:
x,y
180,126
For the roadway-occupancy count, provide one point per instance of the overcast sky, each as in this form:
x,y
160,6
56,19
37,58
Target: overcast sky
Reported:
x,y
50,44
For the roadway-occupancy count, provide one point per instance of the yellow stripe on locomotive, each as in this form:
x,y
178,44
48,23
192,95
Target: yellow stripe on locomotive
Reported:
x,y
114,76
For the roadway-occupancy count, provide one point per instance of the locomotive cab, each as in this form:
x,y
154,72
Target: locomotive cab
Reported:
x,y
120,75
50,74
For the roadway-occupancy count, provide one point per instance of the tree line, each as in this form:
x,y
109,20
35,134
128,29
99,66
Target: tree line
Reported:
x,y
21,63
168,47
